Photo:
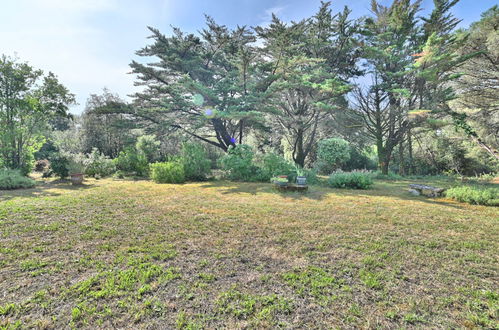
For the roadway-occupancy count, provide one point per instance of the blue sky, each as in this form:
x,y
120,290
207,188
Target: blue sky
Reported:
x,y
89,43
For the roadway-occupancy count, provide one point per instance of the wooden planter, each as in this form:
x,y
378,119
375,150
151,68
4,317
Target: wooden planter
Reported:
x,y
291,187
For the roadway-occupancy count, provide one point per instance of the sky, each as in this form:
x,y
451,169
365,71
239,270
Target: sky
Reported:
x,y
89,44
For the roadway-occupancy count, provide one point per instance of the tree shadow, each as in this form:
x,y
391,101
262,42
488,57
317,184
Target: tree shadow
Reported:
x,y
43,189
397,190
255,188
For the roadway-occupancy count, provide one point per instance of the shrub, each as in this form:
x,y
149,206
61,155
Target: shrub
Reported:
x,y
98,165
389,176
353,180
331,154
197,166
131,162
474,195
168,172
42,165
238,164
13,179
59,165
272,165
148,147
359,160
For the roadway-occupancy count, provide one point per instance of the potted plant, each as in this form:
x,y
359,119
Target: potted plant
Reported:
x,y
281,180
76,172
301,179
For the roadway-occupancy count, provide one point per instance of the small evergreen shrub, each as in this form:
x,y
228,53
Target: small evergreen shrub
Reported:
x,y
147,146
42,165
474,195
331,154
13,179
352,180
168,172
273,164
98,165
197,166
59,165
238,164
132,162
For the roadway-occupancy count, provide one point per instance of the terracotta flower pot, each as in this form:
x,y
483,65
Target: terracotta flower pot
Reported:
x,y
76,178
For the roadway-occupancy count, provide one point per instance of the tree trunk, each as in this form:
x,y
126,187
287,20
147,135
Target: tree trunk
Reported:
x,y
298,152
401,158
383,160
409,148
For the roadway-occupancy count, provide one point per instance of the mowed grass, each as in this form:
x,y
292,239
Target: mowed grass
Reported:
x,y
134,254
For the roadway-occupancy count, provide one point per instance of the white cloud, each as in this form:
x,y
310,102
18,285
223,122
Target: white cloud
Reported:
x,y
266,17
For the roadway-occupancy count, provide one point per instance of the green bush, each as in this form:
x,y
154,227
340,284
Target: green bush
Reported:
x,y
131,162
360,160
331,154
13,179
474,195
390,176
353,180
272,165
98,164
238,164
197,166
148,147
59,165
168,172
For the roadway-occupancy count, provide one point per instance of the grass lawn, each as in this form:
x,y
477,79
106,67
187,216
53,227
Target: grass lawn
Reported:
x,y
221,254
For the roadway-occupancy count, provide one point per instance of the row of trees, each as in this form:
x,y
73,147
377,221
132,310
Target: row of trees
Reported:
x,y
420,91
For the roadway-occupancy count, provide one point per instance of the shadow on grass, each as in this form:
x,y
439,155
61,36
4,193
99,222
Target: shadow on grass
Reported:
x,y
399,190
255,188
393,189
43,189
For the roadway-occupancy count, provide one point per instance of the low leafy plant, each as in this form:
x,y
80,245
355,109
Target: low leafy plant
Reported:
x,y
13,179
238,164
98,165
168,172
278,179
474,195
352,180
273,164
132,162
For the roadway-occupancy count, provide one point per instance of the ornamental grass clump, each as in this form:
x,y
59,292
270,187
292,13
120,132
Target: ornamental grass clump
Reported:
x,y
351,180
474,195
13,179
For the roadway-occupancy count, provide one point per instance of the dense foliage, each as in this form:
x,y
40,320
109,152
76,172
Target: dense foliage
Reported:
x,y
474,195
13,179
331,154
195,160
351,180
168,172
238,164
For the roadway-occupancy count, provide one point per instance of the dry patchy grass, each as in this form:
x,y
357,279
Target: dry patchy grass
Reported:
x,y
134,254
